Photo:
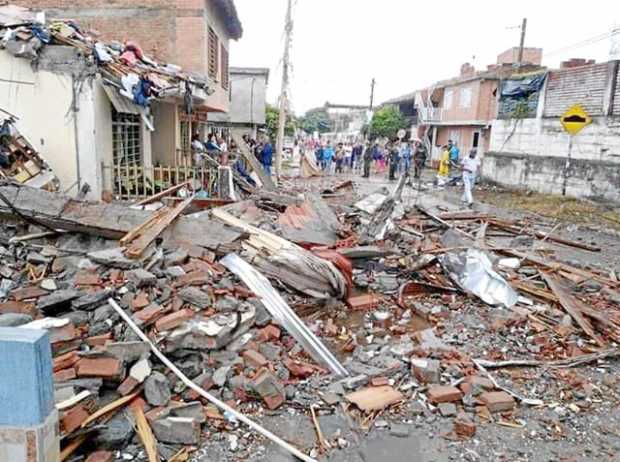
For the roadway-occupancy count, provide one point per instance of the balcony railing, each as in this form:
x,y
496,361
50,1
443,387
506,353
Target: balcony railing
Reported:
x,y
430,114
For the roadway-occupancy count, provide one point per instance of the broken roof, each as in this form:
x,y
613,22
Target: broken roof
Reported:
x,y
228,10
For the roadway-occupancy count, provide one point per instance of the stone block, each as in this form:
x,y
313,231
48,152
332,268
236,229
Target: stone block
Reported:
x,y
177,430
425,370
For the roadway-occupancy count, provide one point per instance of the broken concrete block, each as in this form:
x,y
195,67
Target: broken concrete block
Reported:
x,y
157,389
498,401
269,388
128,352
193,410
221,375
140,370
447,409
176,257
444,394
48,284
425,370
195,296
177,430
57,301
91,301
174,272
141,278
113,257
116,433
14,319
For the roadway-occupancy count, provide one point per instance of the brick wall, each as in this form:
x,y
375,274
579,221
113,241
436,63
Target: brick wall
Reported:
x,y
530,55
581,85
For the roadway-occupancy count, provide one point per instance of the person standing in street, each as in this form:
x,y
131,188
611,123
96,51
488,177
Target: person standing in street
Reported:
x,y
367,159
470,166
405,157
356,156
419,158
394,159
444,166
454,161
267,156
339,158
328,157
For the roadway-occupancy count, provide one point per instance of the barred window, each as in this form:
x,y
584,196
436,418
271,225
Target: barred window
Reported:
x,y
126,138
225,74
213,53
186,138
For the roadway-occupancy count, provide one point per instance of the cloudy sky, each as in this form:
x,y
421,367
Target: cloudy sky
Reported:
x,y
340,45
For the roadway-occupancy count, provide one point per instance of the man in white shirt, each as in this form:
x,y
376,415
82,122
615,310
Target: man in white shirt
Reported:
x,y
470,165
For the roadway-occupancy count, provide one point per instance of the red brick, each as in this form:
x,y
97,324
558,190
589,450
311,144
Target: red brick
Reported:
x,y
128,385
464,426
28,292
99,367
150,314
269,333
298,369
99,339
100,456
73,418
155,413
444,394
65,361
254,358
140,301
193,278
86,278
173,320
64,375
18,307
363,302
379,381
497,401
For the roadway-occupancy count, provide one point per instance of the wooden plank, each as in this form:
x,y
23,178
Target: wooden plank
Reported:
x,y
570,304
256,166
154,228
145,433
111,407
163,194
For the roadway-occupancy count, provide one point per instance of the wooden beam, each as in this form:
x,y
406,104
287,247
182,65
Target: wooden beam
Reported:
x,y
163,194
249,156
153,227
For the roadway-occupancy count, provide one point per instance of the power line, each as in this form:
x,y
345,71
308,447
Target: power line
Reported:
x,y
583,43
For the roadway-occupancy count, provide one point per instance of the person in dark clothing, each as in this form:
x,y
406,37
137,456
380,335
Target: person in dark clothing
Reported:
x,y
367,159
394,158
419,158
356,156
267,156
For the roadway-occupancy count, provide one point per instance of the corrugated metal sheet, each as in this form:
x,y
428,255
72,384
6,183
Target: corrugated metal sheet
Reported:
x,y
581,85
120,103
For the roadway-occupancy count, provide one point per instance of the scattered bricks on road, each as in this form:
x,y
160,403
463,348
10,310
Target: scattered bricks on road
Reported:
x,y
269,388
128,385
444,394
18,307
363,302
149,314
98,340
87,278
141,278
193,278
254,359
379,381
447,409
27,293
101,456
99,367
497,401
480,382
73,418
64,375
156,413
269,333
298,369
173,320
425,370
140,301
65,361
464,426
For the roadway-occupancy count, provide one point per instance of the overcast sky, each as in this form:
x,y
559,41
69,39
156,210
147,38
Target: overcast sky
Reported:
x,y
340,45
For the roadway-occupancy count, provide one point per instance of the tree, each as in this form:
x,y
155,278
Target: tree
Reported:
x,y
386,122
316,120
271,121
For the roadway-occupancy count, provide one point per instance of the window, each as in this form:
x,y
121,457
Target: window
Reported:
x,y
447,99
213,53
476,140
465,97
186,138
225,78
126,138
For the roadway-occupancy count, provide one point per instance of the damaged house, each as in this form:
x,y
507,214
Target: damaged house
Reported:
x,y
108,114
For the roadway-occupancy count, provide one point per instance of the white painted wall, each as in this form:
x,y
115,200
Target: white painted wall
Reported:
x,y
545,137
42,101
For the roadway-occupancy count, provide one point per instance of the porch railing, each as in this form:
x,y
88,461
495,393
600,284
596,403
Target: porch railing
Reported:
x,y
430,114
135,181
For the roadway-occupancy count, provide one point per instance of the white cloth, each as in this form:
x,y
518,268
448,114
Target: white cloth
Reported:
x,y
471,164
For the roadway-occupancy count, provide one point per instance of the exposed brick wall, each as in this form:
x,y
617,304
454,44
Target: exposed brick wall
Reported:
x,y
581,85
530,55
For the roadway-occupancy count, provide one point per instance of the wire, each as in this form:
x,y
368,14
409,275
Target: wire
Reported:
x,y
583,43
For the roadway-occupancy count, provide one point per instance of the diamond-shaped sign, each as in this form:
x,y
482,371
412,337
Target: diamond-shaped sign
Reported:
x,y
575,119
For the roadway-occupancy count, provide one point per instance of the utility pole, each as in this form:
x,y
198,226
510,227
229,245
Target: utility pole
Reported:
x,y
288,30
372,92
523,27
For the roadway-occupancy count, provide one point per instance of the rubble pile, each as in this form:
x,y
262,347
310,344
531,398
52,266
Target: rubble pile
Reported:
x,y
454,322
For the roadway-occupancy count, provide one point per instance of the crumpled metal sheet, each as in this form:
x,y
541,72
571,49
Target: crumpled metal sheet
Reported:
x,y
282,313
473,272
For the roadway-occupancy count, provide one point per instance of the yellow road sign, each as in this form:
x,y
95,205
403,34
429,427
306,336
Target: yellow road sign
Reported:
x,y
575,119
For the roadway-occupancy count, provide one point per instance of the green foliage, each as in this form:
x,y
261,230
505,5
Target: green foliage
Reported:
x,y
272,115
316,120
386,122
